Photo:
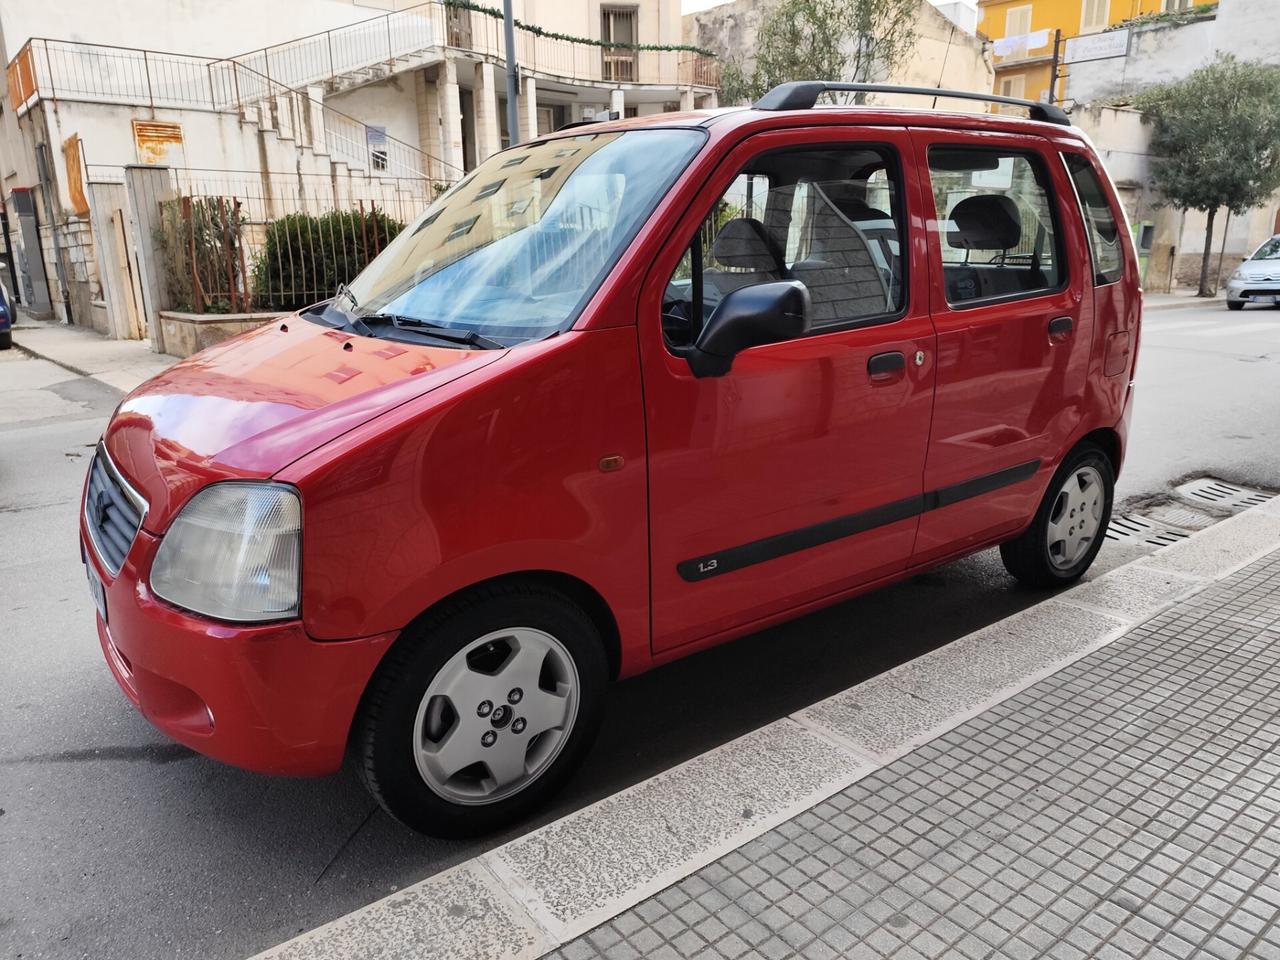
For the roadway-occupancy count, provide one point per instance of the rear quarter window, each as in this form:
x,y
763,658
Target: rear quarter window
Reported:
x,y
1100,221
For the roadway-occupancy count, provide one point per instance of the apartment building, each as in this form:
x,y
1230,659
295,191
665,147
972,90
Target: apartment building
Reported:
x,y
321,101
1023,32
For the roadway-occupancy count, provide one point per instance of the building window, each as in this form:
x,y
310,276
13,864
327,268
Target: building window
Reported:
x,y
1016,87
1017,21
1173,6
1095,15
376,138
618,25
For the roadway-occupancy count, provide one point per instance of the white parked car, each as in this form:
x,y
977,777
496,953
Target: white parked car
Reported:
x,y
1257,280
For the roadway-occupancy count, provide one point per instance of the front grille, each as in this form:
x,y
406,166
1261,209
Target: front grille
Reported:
x,y
113,511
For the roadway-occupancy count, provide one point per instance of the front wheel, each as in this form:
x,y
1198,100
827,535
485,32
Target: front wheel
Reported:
x,y
482,711
6,339
1070,524
1235,304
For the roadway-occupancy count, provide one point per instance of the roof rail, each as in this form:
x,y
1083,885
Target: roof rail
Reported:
x,y
598,118
803,94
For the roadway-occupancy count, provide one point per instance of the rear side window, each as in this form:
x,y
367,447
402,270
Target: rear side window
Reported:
x,y
1099,220
999,236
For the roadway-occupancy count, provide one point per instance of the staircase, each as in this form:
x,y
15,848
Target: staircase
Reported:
x,y
57,70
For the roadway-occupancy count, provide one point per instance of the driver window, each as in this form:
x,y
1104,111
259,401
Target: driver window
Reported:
x,y
829,217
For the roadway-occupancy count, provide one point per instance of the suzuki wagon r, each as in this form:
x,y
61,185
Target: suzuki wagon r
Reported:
x,y
626,391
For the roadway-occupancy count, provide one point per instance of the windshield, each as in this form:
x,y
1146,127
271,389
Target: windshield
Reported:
x,y
1268,251
514,251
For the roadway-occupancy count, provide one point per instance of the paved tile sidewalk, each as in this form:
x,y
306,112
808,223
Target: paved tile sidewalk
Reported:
x,y
1124,807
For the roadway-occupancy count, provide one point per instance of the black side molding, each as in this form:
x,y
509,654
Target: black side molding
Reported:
x,y
793,541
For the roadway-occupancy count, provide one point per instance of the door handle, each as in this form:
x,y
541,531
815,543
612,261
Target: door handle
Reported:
x,y
884,367
1060,328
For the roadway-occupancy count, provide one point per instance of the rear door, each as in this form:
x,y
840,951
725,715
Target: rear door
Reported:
x,y
1008,274
797,474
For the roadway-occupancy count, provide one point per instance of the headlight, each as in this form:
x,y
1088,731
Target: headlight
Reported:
x,y
1238,275
234,552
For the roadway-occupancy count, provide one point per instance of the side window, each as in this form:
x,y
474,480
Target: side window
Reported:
x,y
1000,237
1099,220
829,217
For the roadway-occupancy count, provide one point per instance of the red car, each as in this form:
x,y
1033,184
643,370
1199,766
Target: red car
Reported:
x,y
625,392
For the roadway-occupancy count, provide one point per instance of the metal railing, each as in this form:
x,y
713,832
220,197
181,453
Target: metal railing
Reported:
x,y
386,39
233,241
100,73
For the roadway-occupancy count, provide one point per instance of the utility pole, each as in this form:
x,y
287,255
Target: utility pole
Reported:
x,y
513,78
1053,67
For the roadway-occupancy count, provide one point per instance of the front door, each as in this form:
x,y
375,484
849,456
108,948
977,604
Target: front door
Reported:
x,y
1014,332
797,475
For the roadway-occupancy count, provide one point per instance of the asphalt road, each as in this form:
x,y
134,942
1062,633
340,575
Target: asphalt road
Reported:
x,y
115,843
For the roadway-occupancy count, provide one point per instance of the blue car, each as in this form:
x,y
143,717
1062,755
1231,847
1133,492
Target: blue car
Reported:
x,y
6,319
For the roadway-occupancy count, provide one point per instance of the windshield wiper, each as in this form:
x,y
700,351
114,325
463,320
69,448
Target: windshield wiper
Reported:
x,y
469,338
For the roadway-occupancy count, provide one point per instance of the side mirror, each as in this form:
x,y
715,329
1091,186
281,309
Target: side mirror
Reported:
x,y
750,317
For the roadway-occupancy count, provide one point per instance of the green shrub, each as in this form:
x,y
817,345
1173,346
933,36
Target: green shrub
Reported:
x,y
303,257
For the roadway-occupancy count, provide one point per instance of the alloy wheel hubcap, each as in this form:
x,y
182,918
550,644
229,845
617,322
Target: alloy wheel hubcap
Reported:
x,y
1076,518
496,716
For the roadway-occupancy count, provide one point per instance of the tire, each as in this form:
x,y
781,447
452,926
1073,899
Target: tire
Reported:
x,y
1039,557
1235,304
6,339
484,646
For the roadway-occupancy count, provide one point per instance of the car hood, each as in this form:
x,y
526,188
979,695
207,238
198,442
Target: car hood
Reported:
x,y
250,406
1260,270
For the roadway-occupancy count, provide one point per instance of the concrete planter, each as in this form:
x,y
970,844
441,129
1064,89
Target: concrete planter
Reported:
x,y
188,333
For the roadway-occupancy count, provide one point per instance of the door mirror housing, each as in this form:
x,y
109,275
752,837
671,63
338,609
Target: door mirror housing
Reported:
x,y
750,317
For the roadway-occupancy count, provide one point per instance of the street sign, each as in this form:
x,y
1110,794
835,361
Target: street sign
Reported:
x,y
1098,46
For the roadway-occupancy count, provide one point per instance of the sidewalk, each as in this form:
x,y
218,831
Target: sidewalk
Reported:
x,y
123,364
1095,776
1124,807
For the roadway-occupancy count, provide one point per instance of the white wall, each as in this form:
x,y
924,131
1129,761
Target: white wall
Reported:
x,y
389,104
1157,55
213,28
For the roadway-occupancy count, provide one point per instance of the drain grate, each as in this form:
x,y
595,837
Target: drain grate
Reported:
x,y
1132,529
1184,517
1219,493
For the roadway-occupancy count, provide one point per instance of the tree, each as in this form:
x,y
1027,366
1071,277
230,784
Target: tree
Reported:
x,y
851,40
1216,141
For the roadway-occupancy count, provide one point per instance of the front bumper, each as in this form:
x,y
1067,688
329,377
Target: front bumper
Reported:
x,y
1253,291
263,697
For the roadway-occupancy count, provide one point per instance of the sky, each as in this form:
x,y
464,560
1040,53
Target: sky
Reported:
x,y
692,6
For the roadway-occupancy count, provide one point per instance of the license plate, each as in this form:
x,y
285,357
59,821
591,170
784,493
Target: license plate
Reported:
x,y
1268,298
97,591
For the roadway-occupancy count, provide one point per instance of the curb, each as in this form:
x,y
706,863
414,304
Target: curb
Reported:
x,y
547,887
1193,303
35,354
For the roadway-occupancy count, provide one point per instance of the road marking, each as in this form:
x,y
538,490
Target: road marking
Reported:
x,y
1233,330
559,881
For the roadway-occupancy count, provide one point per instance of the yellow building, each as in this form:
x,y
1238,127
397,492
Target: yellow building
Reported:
x,y
1022,32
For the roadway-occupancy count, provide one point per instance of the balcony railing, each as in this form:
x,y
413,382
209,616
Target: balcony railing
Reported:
x,y
398,36
98,73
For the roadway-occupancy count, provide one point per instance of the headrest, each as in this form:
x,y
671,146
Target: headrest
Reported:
x,y
988,221
744,244
847,197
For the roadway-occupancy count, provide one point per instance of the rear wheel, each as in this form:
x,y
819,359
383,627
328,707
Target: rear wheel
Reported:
x,y
1235,304
482,711
1069,527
